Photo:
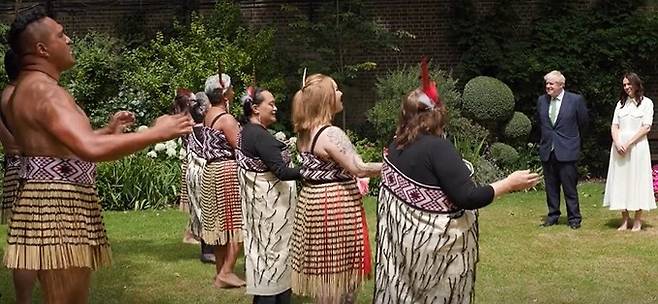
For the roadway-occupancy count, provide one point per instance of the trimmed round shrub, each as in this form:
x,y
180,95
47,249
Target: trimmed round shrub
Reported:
x,y
487,172
488,99
503,154
518,127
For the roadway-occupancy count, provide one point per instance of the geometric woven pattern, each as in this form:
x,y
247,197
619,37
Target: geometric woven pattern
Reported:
x,y
11,161
193,142
215,145
44,168
318,170
417,195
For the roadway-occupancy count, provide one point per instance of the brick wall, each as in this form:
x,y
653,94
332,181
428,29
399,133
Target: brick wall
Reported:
x,y
428,20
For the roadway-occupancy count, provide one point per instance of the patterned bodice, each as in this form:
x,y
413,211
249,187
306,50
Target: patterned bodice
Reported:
x,y
420,196
193,142
215,145
58,169
11,161
255,164
315,169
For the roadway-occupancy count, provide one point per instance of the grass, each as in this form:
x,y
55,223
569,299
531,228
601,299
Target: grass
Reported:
x,y
519,262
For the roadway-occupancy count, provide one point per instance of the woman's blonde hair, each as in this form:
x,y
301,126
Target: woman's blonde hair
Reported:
x,y
313,105
417,118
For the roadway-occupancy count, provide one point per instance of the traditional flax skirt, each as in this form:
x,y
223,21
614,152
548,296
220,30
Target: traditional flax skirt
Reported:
x,y
56,221
9,186
220,203
424,257
194,167
268,208
330,248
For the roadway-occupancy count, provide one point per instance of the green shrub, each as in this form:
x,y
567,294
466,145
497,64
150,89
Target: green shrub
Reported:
x,y
503,154
486,172
488,99
4,28
138,182
392,87
517,128
96,75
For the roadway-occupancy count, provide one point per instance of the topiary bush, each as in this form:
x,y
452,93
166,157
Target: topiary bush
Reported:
x,y
503,154
518,128
488,99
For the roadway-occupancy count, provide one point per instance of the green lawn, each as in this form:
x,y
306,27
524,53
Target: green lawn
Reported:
x,y
519,262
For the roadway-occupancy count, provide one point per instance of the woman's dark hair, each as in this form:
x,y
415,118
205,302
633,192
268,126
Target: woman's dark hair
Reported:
x,y
417,118
637,85
186,102
249,100
11,65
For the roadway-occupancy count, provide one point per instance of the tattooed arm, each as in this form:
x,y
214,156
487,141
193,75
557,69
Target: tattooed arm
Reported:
x,y
339,148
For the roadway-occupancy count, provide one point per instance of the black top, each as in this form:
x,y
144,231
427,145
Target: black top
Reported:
x,y
432,160
257,142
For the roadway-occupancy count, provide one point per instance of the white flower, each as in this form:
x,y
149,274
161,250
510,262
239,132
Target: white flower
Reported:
x,y
171,152
171,144
292,141
142,129
182,154
160,147
280,136
179,141
152,154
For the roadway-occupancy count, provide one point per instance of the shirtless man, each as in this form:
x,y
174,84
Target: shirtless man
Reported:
x,y
56,229
10,165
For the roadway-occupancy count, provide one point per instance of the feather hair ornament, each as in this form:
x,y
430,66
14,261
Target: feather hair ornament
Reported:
x,y
304,78
430,96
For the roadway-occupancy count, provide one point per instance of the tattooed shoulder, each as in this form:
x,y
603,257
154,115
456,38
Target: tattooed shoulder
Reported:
x,y
338,138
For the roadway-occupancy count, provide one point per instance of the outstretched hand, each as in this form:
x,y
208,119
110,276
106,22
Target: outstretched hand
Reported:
x,y
522,179
120,121
172,126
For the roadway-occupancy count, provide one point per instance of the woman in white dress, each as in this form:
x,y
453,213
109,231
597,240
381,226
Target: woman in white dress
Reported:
x,y
629,184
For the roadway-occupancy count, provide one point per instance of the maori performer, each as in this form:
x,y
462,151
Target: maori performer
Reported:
x,y
427,230
269,196
56,230
10,164
221,212
192,165
330,250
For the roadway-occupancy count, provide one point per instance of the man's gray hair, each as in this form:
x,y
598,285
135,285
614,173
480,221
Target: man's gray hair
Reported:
x,y
555,75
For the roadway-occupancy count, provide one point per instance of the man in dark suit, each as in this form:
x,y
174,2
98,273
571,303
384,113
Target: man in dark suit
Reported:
x,y
562,117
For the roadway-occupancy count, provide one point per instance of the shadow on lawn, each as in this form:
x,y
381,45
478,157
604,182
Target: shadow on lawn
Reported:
x,y
616,222
101,292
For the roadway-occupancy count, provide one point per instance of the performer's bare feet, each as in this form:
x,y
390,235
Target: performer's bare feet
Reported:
x,y
188,238
637,225
624,226
228,280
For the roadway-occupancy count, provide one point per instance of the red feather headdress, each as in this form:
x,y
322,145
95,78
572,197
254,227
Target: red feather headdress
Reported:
x,y
430,96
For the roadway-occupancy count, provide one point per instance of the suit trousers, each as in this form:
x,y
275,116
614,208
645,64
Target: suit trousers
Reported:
x,y
563,175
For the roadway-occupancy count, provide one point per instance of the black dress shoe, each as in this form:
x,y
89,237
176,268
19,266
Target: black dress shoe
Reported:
x,y
574,225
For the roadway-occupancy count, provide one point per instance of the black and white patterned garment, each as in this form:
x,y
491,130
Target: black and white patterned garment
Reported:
x,y
427,243
268,210
194,171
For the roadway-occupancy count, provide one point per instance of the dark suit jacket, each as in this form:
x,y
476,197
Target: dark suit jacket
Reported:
x,y
565,135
